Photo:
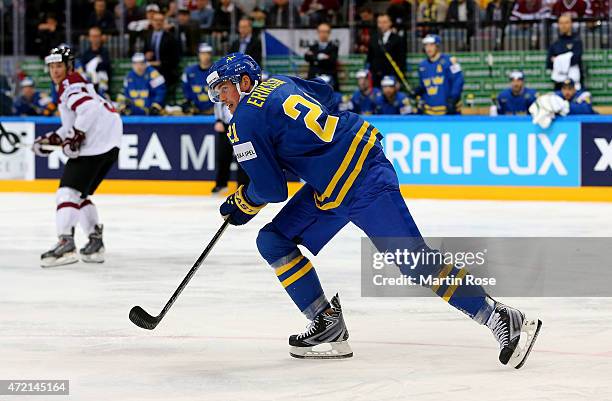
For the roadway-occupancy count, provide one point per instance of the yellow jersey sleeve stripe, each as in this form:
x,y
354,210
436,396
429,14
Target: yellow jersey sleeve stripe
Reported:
x,y
353,176
345,163
443,273
284,268
297,275
451,290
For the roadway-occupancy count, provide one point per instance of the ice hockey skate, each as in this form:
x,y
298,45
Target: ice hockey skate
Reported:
x,y
93,251
325,338
63,253
515,334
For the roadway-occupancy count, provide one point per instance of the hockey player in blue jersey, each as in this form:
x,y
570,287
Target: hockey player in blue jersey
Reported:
x,y
194,83
440,80
32,102
338,101
517,98
284,124
363,100
579,100
144,89
391,100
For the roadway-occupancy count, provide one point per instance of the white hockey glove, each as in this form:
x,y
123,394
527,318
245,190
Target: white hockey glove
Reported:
x,y
546,107
72,144
50,138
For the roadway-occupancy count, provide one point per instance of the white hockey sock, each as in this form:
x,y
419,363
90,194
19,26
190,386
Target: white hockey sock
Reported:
x,y
67,213
88,216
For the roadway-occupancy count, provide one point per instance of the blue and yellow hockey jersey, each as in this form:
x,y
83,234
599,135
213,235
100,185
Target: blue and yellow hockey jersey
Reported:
x,y
508,103
440,85
580,103
195,88
142,91
364,104
286,124
399,105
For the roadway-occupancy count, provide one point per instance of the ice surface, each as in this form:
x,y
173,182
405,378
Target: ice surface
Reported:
x,y
226,336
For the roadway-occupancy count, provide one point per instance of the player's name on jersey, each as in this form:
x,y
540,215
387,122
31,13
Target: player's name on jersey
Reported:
x,y
261,92
380,280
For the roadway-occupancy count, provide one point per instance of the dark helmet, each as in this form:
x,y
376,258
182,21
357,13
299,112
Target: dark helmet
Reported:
x,y
61,54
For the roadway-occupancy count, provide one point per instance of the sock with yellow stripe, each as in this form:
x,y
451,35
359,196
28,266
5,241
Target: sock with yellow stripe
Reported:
x,y
299,278
470,299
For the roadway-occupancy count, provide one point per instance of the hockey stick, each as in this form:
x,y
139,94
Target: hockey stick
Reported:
x,y
141,318
48,148
399,72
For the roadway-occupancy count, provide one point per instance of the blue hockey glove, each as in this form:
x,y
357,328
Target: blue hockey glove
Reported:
x,y
238,208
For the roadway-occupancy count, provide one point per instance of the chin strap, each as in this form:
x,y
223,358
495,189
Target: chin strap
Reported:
x,y
243,94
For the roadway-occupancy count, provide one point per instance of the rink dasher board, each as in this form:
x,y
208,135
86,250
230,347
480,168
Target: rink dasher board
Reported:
x,y
459,157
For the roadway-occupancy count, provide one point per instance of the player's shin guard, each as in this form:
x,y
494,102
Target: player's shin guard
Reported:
x,y
67,212
299,278
88,216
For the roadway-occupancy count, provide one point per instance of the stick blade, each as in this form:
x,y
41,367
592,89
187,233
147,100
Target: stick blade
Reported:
x,y
142,319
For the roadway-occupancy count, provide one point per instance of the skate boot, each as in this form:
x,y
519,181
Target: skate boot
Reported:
x,y
64,253
325,338
515,334
93,251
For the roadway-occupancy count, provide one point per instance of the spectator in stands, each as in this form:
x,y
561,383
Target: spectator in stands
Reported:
x,y
171,15
316,11
144,89
579,100
400,12
440,80
527,10
364,29
96,63
498,13
385,44
598,9
432,11
102,17
322,56
187,32
363,100
226,14
131,13
559,60
391,100
32,102
258,16
247,42
463,11
49,35
203,14
282,15
573,8
517,98
163,52
195,88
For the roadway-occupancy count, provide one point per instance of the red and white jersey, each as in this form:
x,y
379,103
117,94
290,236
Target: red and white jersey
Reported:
x,y
82,108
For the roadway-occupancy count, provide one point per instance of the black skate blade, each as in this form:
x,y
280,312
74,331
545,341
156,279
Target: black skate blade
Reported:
x,y
142,319
322,356
535,337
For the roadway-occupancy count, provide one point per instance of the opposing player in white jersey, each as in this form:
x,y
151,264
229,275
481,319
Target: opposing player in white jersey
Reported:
x,y
90,135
